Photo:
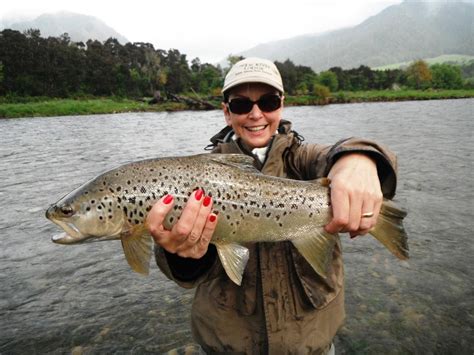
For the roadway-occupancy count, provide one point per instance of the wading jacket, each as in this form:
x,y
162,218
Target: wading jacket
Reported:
x,y
282,306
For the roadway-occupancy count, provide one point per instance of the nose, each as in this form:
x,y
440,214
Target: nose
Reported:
x,y
255,113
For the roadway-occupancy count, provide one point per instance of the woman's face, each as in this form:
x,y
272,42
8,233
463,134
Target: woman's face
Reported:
x,y
256,127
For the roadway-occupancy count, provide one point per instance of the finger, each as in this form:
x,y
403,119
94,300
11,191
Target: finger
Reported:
x,y
201,247
340,211
156,217
184,226
367,222
199,224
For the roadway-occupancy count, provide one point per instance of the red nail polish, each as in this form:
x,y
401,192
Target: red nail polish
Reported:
x,y
212,218
199,194
167,200
207,201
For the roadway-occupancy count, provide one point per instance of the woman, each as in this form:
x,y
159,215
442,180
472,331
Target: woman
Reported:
x,y
282,306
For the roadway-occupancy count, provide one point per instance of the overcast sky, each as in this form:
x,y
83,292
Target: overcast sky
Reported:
x,y
210,29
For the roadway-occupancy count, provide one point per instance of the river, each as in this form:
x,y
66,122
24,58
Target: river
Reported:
x,y
84,299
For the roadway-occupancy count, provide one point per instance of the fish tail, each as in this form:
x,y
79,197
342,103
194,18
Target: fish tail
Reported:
x,y
389,229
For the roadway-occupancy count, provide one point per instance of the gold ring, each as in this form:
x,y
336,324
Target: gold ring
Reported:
x,y
367,214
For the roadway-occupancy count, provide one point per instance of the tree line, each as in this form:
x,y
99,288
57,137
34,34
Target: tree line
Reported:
x,y
31,65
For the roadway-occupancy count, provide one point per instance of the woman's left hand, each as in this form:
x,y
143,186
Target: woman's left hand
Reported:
x,y
355,190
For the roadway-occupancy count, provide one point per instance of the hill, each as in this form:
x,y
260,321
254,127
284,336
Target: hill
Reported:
x,y
400,33
79,27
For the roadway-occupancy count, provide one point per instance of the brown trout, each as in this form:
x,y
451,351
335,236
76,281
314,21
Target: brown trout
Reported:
x,y
252,207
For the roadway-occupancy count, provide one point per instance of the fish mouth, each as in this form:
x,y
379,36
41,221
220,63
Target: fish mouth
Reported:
x,y
71,236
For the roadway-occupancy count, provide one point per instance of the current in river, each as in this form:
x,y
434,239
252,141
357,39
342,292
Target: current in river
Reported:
x,y
85,299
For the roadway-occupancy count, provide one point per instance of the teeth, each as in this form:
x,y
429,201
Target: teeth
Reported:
x,y
256,128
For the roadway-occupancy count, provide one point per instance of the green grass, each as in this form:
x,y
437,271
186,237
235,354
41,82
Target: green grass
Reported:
x,y
67,107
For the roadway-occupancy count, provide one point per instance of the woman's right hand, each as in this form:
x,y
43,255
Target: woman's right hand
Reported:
x,y
190,236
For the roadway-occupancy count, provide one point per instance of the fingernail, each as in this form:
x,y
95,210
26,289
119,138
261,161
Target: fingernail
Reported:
x,y
199,194
167,200
207,201
212,218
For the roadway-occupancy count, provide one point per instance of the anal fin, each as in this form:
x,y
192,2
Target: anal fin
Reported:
x,y
234,258
317,249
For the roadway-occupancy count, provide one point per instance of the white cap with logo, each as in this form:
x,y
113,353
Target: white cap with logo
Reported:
x,y
253,70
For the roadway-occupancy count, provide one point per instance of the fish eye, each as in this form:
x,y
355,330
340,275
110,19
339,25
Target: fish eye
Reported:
x,y
66,211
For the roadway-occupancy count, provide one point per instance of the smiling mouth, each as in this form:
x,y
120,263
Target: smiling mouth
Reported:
x,y
256,128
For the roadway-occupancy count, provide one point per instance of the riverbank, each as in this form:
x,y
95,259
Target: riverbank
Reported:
x,y
67,107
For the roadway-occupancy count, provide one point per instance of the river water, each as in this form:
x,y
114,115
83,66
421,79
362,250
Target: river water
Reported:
x,y
84,299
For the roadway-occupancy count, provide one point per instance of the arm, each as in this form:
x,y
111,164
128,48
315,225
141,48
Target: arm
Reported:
x,y
361,172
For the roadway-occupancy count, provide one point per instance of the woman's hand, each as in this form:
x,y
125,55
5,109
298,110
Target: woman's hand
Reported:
x,y
355,190
190,236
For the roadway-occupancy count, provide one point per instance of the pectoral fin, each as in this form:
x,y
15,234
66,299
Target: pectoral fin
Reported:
x,y
137,246
234,258
317,249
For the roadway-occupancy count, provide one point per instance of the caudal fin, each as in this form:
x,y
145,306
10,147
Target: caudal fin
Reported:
x,y
389,229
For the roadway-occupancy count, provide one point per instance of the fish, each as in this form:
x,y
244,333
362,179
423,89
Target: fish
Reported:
x,y
252,207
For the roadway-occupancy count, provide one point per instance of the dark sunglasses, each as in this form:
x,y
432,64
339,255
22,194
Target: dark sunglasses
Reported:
x,y
266,103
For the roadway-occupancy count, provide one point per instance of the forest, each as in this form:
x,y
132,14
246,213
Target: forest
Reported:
x,y
33,66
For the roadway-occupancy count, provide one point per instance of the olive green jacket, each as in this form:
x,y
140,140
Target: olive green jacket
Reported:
x,y
282,306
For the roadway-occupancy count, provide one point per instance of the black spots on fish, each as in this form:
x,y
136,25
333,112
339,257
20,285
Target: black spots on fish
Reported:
x,y
311,215
256,214
132,200
280,224
119,199
281,205
171,219
88,208
111,190
119,188
129,182
99,207
277,217
148,208
125,210
92,202
246,195
223,206
143,189
101,218
154,180
140,203
269,214
86,192
234,206
294,206
151,170
140,213
137,221
227,216
311,198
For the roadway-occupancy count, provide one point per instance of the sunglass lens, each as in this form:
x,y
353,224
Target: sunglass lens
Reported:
x,y
269,103
240,106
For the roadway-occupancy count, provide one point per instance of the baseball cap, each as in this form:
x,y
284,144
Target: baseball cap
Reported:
x,y
253,70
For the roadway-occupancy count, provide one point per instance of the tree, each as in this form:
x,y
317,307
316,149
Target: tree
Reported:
x,y
419,75
446,76
328,79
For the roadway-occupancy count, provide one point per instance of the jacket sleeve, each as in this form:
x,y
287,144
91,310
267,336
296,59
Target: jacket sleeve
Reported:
x,y
186,272
312,161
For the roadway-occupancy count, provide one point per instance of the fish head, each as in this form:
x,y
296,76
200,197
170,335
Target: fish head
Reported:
x,y
86,214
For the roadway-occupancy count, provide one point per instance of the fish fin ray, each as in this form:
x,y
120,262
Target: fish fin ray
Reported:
x,y
137,246
317,250
234,258
390,231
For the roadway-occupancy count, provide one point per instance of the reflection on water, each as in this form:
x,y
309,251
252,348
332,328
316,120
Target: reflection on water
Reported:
x,y
59,299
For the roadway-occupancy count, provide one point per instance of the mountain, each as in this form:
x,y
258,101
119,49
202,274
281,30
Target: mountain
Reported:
x,y
79,27
400,33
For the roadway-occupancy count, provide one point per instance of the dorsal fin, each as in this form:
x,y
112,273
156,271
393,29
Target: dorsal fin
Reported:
x,y
240,161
